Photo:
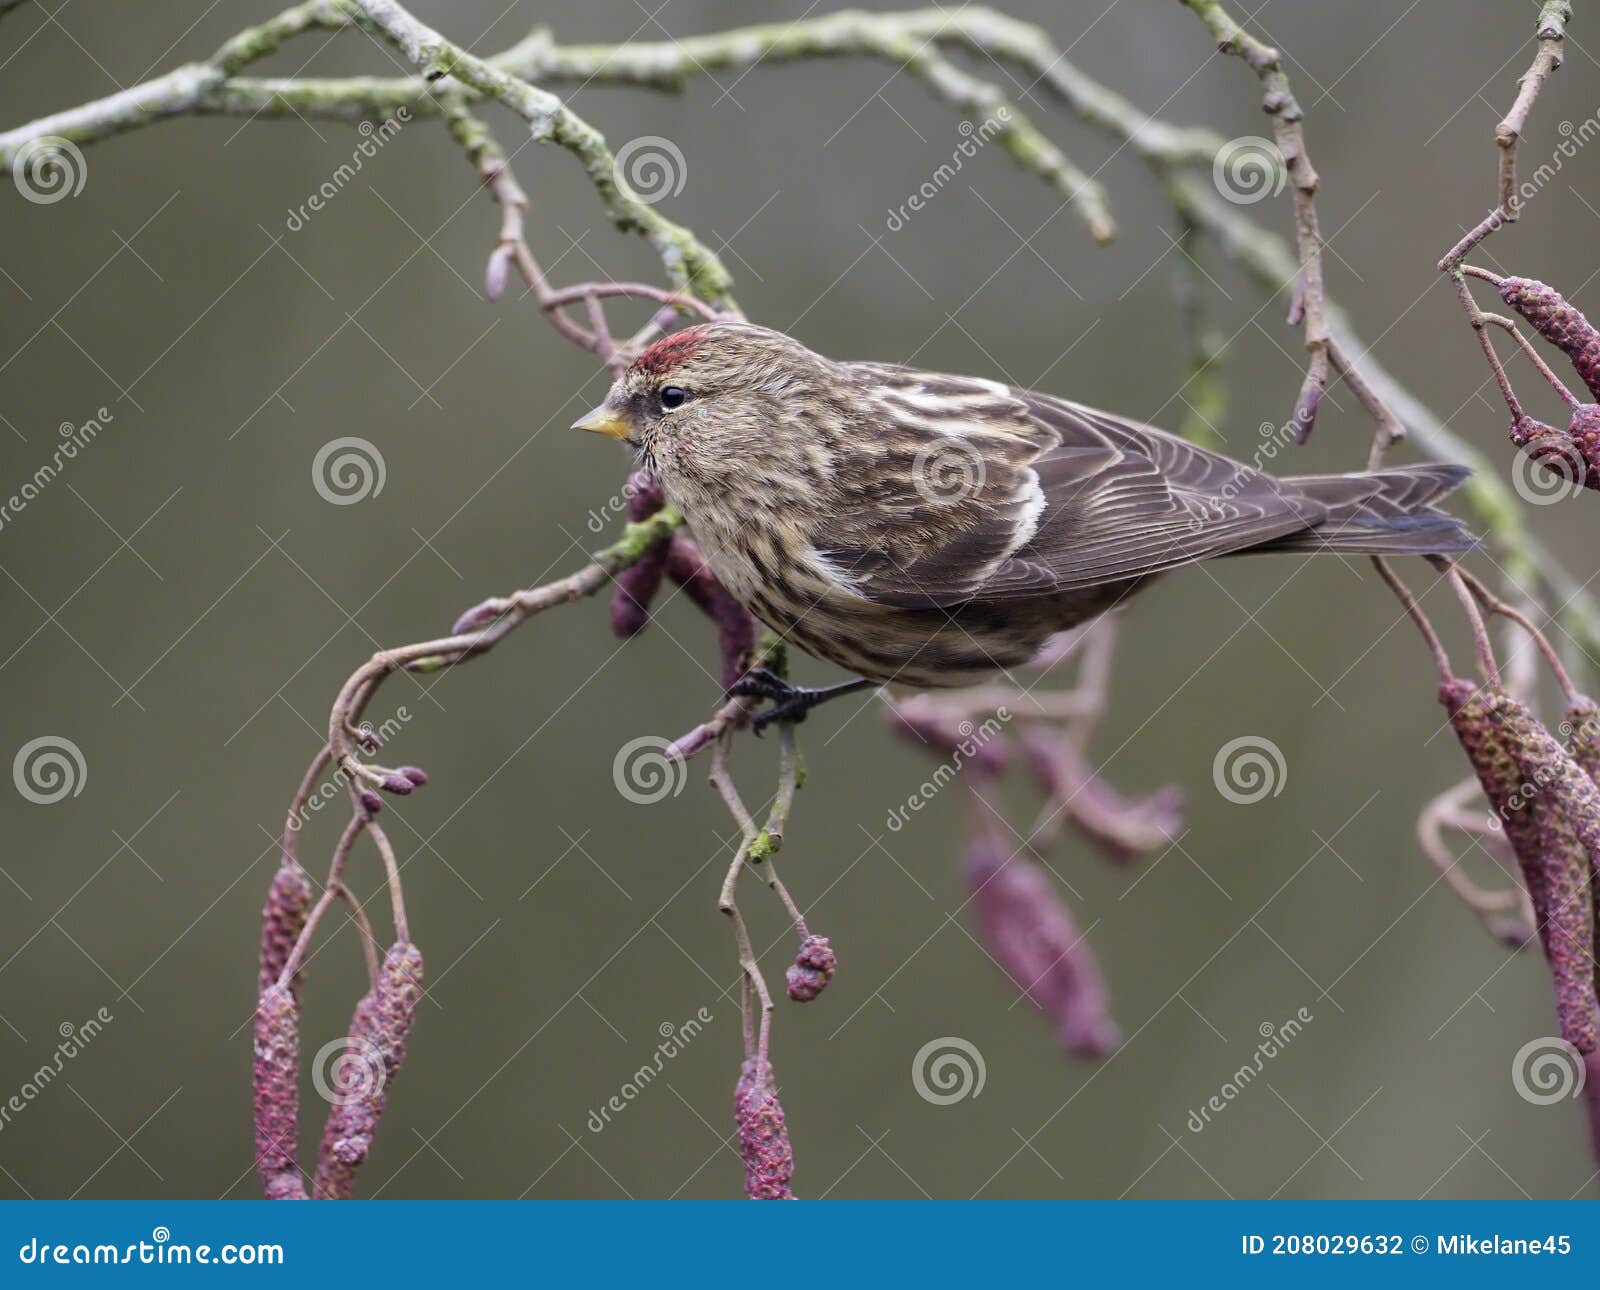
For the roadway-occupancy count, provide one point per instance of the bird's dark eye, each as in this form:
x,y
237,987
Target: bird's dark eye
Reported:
x,y
673,396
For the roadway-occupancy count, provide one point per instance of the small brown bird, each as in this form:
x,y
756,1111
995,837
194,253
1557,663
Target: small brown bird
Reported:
x,y
932,530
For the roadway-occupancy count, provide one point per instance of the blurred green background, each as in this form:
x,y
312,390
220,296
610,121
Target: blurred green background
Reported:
x,y
182,605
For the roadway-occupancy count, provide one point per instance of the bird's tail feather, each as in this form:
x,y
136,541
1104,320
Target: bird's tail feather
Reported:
x,y
1383,512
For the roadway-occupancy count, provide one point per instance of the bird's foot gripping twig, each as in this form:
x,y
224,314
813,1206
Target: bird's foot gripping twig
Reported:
x,y
791,703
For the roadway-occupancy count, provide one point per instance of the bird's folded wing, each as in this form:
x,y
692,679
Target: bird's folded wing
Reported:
x,y
1062,497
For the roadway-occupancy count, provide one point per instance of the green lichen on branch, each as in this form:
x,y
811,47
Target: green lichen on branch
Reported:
x,y
637,538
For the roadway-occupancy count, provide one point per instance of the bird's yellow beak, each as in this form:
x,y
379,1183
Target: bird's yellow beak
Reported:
x,y
604,421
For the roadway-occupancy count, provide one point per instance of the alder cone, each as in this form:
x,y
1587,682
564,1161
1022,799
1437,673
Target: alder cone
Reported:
x,y
1560,323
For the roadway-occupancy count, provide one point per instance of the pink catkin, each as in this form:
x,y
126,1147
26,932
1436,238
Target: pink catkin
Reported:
x,y
283,918
348,1132
380,1030
812,969
1560,323
1572,454
736,629
1582,727
277,1095
1550,810
763,1134
637,585
1029,930
1584,432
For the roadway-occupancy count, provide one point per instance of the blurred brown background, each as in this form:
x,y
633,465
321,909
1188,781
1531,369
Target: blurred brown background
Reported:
x,y
182,605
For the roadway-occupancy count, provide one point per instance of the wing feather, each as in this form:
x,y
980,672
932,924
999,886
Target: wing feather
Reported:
x,y
1057,497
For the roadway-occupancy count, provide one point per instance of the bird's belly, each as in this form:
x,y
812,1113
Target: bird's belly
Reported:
x,y
928,648
922,648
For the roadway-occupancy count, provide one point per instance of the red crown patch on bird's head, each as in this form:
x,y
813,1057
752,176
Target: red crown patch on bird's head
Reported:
x,y
671,350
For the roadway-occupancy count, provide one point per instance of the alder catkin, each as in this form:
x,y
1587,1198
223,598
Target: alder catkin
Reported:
x,y
1560,323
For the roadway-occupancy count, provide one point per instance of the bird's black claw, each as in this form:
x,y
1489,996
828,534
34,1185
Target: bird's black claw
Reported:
x,y
792,710
761,683
790,703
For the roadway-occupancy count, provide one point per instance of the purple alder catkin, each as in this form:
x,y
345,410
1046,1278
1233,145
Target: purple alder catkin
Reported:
x,y
1559,322
379,1032
763,1134
812,969
283,918
638,584
1550,811
1030,931
1121,827
353,1120
277,1094
736,629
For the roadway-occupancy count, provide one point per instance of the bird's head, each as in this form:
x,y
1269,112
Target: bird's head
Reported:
x,y
717,401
